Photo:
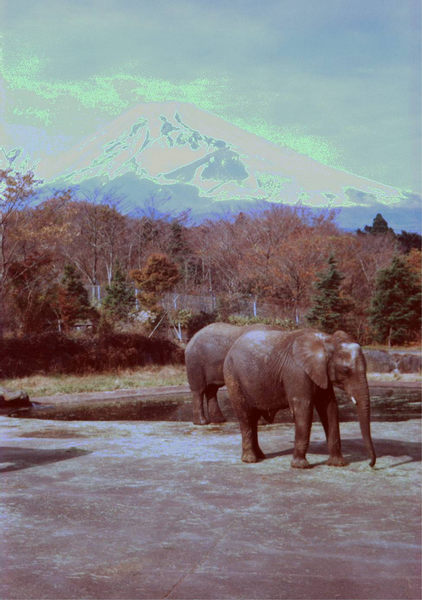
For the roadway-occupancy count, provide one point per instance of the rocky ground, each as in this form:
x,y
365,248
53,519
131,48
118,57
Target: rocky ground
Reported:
x,y
140,509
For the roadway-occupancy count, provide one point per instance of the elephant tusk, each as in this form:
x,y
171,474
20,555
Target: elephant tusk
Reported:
x,y
353,400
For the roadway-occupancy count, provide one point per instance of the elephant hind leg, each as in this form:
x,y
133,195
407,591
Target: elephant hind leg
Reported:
x,y
251,452
253,420
214,412
248,421
199,417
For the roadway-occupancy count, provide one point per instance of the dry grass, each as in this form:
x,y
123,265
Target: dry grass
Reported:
x,y
153,376
47,385
394,377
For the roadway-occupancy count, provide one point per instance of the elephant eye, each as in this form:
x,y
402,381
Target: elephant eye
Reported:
x,y
343,370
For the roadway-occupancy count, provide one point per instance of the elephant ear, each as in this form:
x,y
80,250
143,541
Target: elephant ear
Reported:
x,y
310,352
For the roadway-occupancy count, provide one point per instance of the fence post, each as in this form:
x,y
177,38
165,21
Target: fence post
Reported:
x,y
254,306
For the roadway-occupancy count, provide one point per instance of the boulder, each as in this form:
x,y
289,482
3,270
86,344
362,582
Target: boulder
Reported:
x,y
409,363
382,361
9,399
379,361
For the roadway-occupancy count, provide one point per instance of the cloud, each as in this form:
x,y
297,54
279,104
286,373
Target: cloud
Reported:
x,y
335,79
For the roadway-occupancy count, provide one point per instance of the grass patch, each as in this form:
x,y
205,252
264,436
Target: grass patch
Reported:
x,y
48,385
143,377
410,348
394,377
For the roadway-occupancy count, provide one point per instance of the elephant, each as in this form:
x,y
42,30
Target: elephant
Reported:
x,y
204,359
268,370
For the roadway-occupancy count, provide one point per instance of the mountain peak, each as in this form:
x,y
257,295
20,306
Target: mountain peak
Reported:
x,y
200,161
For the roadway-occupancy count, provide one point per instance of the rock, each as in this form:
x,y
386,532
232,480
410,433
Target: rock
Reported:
x,y
382,361
409,363
379,361
9,399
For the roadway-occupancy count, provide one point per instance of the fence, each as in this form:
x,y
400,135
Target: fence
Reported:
x,y
208,303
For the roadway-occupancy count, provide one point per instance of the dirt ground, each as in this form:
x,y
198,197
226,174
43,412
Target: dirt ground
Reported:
x,y
138,509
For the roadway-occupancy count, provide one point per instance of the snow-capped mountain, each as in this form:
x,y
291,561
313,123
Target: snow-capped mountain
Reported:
x,y
190,158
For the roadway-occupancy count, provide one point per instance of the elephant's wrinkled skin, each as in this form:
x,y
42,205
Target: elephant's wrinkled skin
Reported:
x,y
269,370
204,358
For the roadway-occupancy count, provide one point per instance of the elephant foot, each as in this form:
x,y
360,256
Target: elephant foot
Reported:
x,y
337,461
249,457
300,463
200,421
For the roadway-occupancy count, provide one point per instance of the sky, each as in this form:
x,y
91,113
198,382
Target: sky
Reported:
x,y
338,80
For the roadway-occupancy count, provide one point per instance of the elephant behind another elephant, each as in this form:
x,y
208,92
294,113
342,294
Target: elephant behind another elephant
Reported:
x,y
204,358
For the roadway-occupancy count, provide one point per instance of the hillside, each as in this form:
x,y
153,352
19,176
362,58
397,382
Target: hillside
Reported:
x,y
187,158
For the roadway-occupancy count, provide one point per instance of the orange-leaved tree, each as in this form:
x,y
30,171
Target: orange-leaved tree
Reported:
x,y
158,276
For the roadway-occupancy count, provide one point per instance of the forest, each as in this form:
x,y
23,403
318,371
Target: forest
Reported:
x,y
76,265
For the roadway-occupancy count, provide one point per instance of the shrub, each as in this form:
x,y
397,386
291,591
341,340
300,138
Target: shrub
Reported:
x,y
197,321
287,324
58,353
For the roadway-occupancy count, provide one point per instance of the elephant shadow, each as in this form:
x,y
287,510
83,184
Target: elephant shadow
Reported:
x,y
354,451
15,459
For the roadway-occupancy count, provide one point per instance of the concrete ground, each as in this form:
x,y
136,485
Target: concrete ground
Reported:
x,y
130,510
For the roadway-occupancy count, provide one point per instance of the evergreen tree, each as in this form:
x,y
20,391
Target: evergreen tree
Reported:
x,y
329,307
409,241
120,298
73,298
379,226
395,312
177,243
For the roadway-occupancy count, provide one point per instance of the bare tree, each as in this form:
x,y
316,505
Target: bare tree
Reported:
x,y
16,191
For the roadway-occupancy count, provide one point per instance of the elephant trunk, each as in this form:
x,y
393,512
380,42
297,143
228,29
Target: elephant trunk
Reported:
x,y
360,397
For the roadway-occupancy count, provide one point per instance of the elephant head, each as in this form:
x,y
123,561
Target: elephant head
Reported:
x,y
337,359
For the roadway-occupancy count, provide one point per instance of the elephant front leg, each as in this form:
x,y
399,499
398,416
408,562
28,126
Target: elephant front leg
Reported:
x,y
199,417
302,413
214,412
328,413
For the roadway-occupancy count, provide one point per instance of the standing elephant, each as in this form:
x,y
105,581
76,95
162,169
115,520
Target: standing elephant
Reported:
x,y
204,358
269,370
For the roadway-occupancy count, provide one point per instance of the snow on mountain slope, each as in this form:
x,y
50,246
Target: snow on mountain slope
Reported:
x,y
199,161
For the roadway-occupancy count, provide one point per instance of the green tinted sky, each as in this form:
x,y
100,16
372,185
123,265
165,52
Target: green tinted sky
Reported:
x,y
336,79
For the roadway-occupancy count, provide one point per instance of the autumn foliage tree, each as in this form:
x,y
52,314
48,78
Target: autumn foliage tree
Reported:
x,y
15,191
34,293
261,263
159,275
73,299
